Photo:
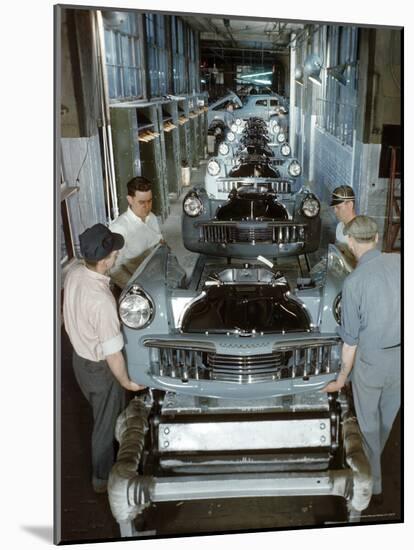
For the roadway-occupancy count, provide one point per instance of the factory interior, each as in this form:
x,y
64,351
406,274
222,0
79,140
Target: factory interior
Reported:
x,y
138,94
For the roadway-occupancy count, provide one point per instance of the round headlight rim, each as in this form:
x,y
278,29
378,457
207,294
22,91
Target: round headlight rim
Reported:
x,y
230,136
138,291
284,145
193,195
274,126
212,162
337,304
222,145
281,137
310,198
294,162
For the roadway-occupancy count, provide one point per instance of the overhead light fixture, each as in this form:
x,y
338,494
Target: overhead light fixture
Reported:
x,y
338,72
299,75
255,75
114,19
261,81
312,68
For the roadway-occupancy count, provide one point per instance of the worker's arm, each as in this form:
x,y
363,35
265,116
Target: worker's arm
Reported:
x,y
116,363
348,357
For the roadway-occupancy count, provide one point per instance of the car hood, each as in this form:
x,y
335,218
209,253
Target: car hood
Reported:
x,y
246,309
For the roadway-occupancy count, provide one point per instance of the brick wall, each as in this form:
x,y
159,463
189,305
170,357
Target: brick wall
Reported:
x,y
332,164
336,164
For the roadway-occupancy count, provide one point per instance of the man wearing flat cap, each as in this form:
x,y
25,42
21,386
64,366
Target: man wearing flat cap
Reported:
x,y
370,330
343,204
91,321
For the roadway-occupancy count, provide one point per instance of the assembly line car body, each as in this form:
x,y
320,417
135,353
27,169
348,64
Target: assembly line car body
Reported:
x,y
231,330
254,207
265,106
235,358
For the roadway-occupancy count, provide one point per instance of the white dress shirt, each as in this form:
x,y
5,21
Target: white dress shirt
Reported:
x,y
340,237
139,235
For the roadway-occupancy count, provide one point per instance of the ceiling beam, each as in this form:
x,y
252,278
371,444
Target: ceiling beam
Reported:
x,y
227,27
259,51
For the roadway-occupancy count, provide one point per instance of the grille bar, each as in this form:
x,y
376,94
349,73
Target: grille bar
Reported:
x,y
288,363
232,232
226,186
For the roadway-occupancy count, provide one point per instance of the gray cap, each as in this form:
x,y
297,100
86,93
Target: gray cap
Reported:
x,y
362,228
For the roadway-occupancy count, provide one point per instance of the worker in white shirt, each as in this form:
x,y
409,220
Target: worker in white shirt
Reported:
x,y
140,229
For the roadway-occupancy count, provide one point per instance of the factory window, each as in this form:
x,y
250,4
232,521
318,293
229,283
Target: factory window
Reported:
x,y
157,54
124,59
337,110
193,64
179,66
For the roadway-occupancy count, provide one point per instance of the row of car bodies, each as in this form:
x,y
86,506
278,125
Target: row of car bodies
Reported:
x,y
243,330
253,200
238,351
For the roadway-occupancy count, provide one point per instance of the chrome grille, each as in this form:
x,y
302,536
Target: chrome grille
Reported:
x,y
299,361
276,186
233,232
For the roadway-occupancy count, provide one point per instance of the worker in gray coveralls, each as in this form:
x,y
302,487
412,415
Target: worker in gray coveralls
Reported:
x,y
370,330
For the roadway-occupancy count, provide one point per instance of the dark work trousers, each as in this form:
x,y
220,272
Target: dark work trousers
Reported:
x,y
107,398
377,390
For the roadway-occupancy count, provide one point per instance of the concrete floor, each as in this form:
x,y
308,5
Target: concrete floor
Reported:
x,y
86,516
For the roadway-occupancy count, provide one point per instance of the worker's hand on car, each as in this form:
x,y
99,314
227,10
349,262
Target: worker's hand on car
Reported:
x,y
335,385
131,386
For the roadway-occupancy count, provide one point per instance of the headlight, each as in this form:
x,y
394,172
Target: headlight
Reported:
x,y
281,137
239,121
294,169
213,167
230,136
136,309
233,127
223,149
310,206
285,149
337,308
274,126
192,205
